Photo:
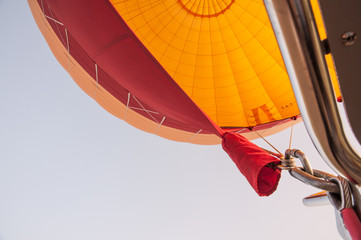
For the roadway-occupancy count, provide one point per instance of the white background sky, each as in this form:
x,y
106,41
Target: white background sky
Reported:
x,y
70,170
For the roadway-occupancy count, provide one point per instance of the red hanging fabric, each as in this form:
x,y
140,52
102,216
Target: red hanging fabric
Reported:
x,y
352,223
253,162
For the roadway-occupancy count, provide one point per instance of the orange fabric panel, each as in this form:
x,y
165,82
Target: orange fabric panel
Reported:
x,y
222,53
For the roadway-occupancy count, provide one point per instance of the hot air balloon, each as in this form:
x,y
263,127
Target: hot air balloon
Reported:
x,y
197,71
185,70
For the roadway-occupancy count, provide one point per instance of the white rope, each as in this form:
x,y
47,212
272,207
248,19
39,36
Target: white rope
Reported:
x,y
67,41
196,134
140,109
68,48
42,6
53,20
268,143
56,21
289,146
147,111
96,79
126,110
161,122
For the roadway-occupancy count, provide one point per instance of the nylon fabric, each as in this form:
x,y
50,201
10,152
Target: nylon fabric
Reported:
x,y
222,53
253,163
124,65
352,223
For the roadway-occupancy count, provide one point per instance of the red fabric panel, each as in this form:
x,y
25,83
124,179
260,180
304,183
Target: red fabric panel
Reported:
x,y
352,223
252,162
98,31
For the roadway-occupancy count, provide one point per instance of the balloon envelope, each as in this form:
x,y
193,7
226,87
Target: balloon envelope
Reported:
x,y
185,70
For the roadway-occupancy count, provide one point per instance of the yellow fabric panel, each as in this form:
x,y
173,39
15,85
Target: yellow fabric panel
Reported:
x,y
322,32
222,53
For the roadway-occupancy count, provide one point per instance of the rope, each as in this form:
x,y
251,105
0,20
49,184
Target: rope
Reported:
x,y
269,144
289,146
272,153
347,192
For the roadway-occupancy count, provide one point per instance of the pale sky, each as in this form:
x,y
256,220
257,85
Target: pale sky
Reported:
x,y
70,171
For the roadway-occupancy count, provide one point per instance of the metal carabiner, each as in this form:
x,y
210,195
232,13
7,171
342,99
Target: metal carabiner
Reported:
x,y
306,174
319,180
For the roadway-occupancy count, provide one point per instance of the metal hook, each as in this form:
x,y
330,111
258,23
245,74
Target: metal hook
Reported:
x,y
306,174
317,180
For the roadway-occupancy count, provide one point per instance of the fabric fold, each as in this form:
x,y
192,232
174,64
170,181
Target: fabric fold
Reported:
x,y
253,162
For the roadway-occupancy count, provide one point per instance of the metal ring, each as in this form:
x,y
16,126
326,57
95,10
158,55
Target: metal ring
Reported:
x,y
303,158
344,198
